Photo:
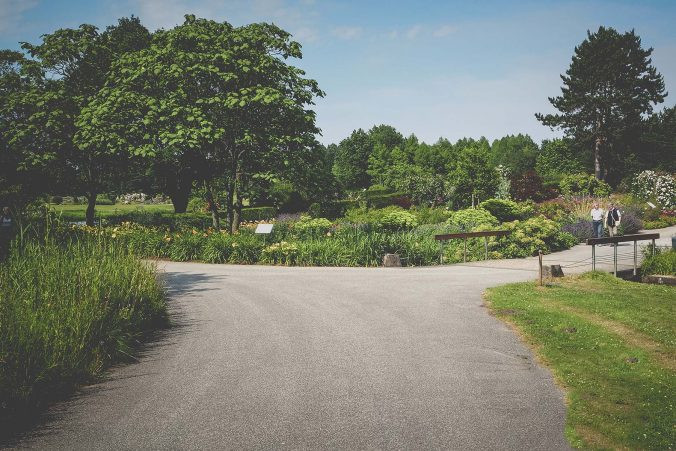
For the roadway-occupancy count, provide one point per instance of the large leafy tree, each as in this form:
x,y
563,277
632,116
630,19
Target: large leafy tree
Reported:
x,y
352,160
659,141
22,148
471,175
219,100
610,85
515,152
557,158
64,72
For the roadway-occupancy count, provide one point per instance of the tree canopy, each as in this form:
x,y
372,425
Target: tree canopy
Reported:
x,y
608,88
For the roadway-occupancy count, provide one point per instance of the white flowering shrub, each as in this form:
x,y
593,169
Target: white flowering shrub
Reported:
x,y
651,185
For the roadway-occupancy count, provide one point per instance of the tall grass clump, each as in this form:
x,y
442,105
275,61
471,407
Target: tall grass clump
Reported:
x,y
67,310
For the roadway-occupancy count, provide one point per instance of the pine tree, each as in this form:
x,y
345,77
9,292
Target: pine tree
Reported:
x,y
610,85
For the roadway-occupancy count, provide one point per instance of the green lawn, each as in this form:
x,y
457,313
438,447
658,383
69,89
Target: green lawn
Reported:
x,y
77,212
611,344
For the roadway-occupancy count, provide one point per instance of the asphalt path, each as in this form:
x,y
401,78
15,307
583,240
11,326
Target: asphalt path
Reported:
x,y
263,357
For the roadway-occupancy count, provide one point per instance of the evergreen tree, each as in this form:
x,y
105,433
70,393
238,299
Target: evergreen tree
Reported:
x,y
610,84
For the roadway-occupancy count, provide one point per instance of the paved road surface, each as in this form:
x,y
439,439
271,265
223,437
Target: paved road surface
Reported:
x,y
273,357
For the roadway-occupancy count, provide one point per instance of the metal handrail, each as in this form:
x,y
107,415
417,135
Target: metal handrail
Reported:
x,y
621,239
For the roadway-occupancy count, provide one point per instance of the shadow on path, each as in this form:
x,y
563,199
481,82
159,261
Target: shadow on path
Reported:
x,y
35,423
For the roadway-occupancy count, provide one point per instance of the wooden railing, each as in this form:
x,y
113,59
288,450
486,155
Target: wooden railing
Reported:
x,y
593,242
464,236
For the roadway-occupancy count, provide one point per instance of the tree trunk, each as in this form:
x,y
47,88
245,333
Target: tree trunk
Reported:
x,y
180,192
91,204
229,210
597,158
215,220
237,206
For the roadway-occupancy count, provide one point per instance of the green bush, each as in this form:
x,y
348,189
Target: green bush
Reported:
x,y
186,246
281,253
468,219
66,312
371,216
529,236
662,263
246,249
255,214
308,226
431,215
584,185
56,200
508,210
197,204
104,199
397,220
217,248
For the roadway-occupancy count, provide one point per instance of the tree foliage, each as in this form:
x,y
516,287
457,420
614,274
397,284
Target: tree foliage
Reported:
x,y
217,99
610,85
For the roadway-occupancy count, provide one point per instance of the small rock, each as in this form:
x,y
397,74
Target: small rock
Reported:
x,y
552,271
391,260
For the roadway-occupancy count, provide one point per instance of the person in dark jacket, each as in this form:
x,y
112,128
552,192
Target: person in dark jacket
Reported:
x,y
612,219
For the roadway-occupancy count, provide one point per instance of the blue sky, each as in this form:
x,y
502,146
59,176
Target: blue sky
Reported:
x,y
434,68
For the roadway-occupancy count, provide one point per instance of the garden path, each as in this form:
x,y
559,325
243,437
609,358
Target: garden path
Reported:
x,y
275,357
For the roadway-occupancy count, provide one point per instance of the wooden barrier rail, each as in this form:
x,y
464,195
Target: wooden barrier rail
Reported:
x,y
464,236
593,242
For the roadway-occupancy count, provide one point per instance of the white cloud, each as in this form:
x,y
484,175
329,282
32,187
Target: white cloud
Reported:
x,y
11,12
444,31
300,19
305,34
347,32
413,32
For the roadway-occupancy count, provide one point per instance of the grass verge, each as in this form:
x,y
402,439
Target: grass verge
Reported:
x,y
66,312
611,344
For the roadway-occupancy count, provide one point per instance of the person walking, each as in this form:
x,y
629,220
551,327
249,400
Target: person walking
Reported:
x,y
597,221
612,220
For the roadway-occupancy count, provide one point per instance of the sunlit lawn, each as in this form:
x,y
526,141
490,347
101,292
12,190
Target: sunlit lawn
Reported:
x,y
611,344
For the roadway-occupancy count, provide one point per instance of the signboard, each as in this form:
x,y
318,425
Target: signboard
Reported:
x,y
264,228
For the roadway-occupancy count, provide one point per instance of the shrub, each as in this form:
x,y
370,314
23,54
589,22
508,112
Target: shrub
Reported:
x,y
630,223
662,263
246,249
372,216
308,226
56,200
281,253
431,215
659,187
581,229
470,218
66,312
553,209
314,210
253,214
218,248
534,234
529,186
397,220
186,246
104,199
197,205
584,185
507,210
